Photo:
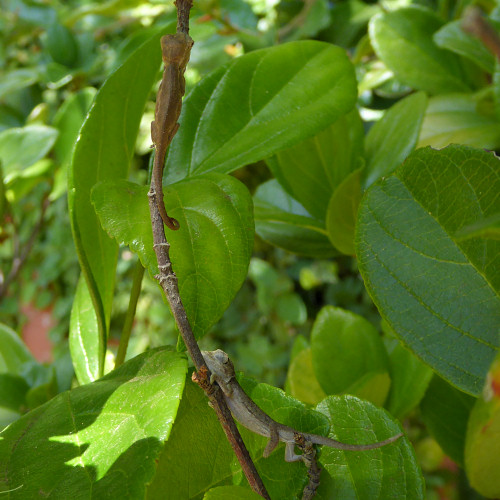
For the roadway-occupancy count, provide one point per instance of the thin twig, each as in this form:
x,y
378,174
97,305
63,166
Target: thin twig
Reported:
x,y
129,318
168,282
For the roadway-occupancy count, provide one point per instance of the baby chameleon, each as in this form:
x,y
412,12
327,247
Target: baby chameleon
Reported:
x,y
248,414
175,53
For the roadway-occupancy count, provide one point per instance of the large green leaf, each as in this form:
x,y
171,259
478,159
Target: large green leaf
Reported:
x,y
198,442
459,119
438,294
445,412
99,440
103,151
403,40
342,213
301,381
393,137
210,252
260,103
284,222
231,493
388,472
345,348
453,37
85,347
409,380
482,460
21,147
13,351
313,169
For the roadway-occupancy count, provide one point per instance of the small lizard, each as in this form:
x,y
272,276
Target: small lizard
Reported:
x,y
248,414
175,53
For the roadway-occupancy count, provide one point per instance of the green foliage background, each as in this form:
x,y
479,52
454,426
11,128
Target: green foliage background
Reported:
x,y
324,245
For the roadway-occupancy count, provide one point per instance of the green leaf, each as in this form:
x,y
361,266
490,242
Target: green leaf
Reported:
x,y
102,438
13,390
342,213
410,379
22,147
403,40
61,45
388,472
372,386
68,120
84,345
103,152
482,460
211,251
312,170
485,228
13,351
291,308
16,80
458,118
432,289
259,104
393,137
283,222
345,347
301,381
231,493
452,37
445,411
197,439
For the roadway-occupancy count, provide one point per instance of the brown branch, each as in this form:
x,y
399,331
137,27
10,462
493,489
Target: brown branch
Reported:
x,y
168,282
477,25
183,8
309,458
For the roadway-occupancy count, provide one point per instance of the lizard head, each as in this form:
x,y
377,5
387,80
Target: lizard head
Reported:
x,y
219,364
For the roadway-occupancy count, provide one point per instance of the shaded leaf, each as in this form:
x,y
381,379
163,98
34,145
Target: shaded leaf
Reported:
x,y
452,37
345,347
410,379
22,147
342,213
485,228
393,137
432,289
197,439
312,170
231,493
301,381
445,411
283,222
13,351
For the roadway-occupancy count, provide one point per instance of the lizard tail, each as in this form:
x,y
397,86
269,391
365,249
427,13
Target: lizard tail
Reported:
x,y
352,447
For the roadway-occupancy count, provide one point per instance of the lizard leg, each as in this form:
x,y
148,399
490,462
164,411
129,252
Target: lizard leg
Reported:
x,y
273,440
290,455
